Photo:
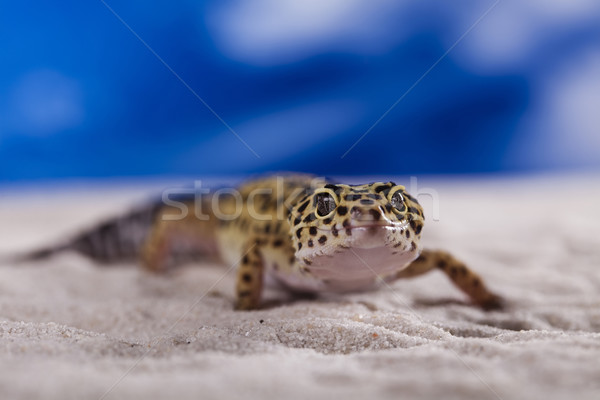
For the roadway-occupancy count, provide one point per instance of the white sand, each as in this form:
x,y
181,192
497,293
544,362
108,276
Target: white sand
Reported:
x,y
71,329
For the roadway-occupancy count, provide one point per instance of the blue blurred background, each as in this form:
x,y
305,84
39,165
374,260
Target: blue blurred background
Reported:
x,y
299,83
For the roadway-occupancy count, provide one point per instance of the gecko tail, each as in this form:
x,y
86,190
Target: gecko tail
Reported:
x,y
36,255
117,239
31,256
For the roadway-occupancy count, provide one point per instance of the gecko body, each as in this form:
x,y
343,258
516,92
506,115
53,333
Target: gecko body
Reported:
x,y
309,235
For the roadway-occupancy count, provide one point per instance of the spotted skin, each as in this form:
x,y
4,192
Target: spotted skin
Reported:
x,y
311,235
465,279
249,278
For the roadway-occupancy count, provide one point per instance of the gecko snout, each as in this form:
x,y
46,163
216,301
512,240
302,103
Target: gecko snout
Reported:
x,y
356,212
365,215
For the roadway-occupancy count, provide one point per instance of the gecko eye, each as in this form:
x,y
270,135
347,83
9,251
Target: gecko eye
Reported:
x,y
325,204
397,201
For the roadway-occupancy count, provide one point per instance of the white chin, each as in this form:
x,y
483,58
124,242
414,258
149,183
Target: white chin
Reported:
x,y
362,263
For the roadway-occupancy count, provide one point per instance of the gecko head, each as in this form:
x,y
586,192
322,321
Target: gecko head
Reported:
x,y
352,230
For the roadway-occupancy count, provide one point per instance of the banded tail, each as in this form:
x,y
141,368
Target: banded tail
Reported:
x,y
114,240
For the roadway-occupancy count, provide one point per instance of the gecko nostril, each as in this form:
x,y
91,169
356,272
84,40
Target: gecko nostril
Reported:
x,y
356,212
376,214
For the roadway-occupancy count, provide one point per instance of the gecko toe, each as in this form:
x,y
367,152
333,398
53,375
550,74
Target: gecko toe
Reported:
x,y
493,303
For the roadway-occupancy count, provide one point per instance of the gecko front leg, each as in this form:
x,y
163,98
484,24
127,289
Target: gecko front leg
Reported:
x,y
249,278
465,279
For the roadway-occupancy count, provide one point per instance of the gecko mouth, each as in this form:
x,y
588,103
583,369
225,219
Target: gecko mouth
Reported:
x,y
370,226
371,236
